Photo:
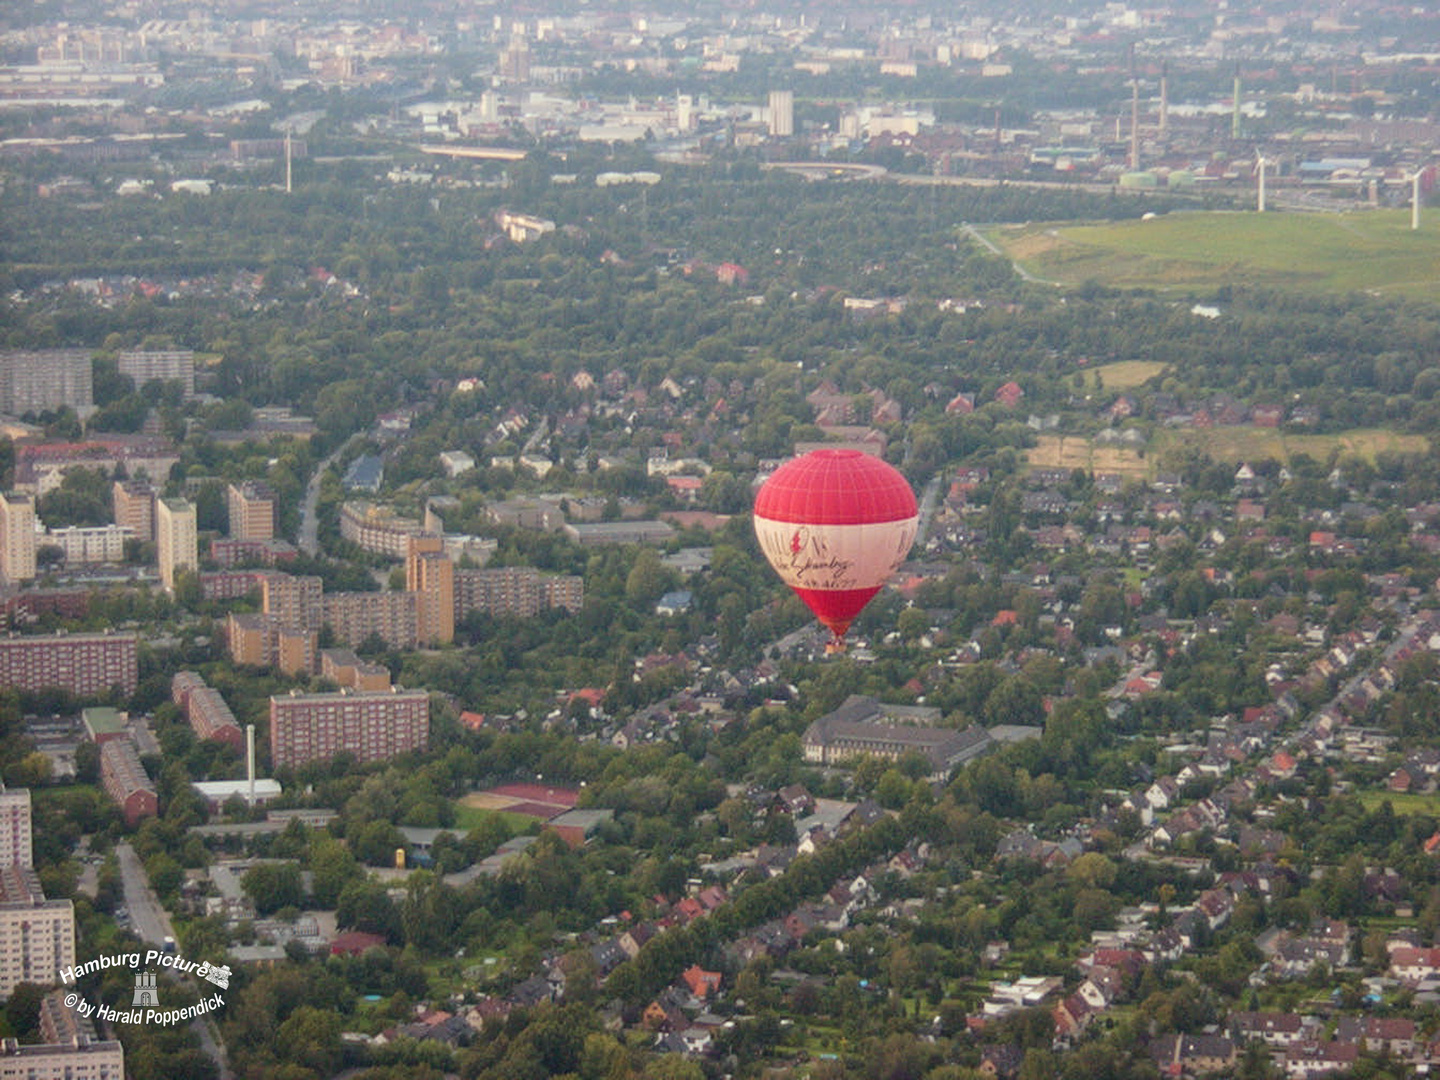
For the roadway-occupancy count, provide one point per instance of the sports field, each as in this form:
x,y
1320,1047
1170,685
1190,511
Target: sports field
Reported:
x,y
520,804
1372,250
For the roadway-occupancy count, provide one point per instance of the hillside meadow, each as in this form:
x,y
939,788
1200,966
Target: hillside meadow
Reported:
x,y
1373,251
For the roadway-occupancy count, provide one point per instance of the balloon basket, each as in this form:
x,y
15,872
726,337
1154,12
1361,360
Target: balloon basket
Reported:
x,y
835,647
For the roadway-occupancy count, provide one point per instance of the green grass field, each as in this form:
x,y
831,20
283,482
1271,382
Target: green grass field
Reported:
x,y
1404,805
1127,374
472,817
1372,250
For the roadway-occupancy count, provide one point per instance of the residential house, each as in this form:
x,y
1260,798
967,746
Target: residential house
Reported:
x,y
1379,1035
1192,1055
702,984
1314,1059
1072,1016
1274,1029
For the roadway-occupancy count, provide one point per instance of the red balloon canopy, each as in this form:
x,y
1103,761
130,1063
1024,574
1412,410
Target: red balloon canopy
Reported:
x,y
835,524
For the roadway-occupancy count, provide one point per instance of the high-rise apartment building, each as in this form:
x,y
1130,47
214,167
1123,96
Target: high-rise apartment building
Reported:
x,y
389,616
297,601
264,641
133,506
515,590
15,845
37,936
377,529
430,575
45,379
782,113
17,538
69,1048
515,61
176,538
84,664
252,511
167,365
372,727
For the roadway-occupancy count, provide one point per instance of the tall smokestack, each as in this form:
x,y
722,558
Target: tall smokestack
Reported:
x,y
1164,99
1134,114
287,163
1135,125
1235,116
250,760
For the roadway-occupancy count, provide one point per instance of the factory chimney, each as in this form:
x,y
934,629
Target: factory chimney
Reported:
x,y
250,761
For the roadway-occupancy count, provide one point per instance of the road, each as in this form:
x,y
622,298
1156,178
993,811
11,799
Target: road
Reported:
x,y
927,509
147,918
151,922
309,522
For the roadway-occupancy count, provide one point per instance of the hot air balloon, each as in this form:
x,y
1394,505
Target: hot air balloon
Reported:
x,y
835,524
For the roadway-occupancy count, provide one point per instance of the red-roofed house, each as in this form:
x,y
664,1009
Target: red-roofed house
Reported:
x,y
961,404
1072,1016
355,942
1010,394
688,487
702,983
1412,965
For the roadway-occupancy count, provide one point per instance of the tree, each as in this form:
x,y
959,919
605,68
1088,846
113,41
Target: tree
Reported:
x,y
332,867
22,1009
367,906
377,843
430,911
310,1038
165,874
274,886
1092,870
648,580
33,770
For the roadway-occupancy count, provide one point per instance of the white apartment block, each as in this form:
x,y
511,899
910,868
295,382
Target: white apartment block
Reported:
x,y
46,379
15,845
167,365
89,544
37,936
78,1059
176,539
